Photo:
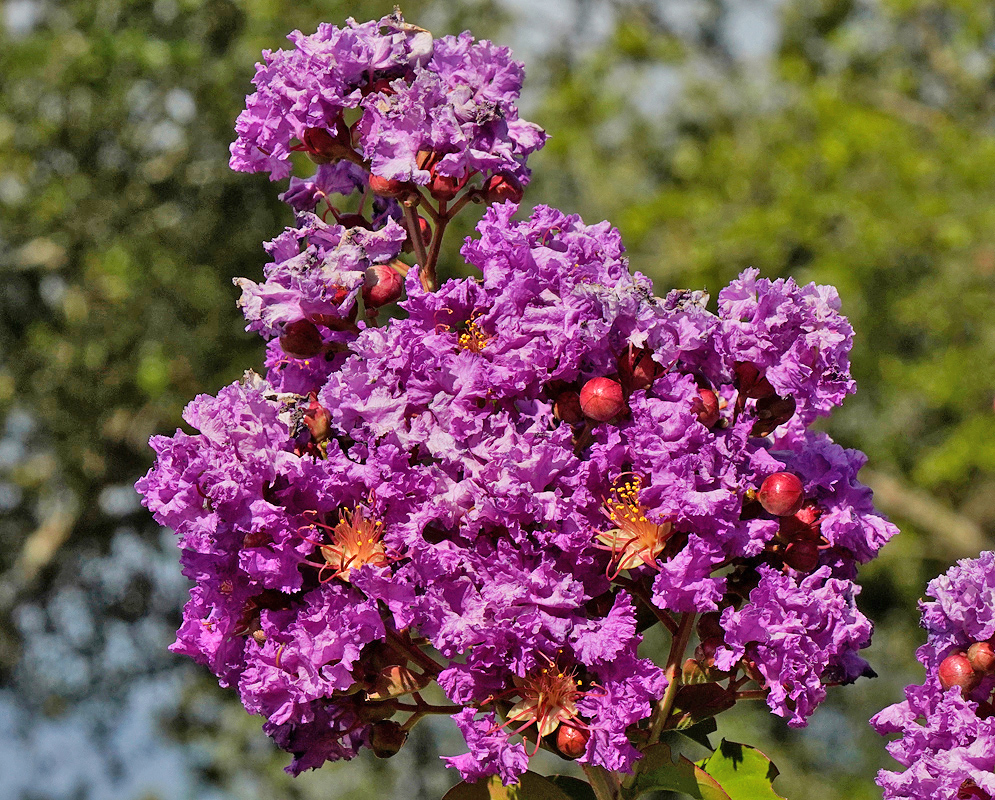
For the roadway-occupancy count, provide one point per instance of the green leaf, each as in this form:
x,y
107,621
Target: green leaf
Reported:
x,y
743,771
659,771
531,787
575,788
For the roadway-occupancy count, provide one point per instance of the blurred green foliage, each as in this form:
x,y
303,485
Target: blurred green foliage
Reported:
x,y
857,151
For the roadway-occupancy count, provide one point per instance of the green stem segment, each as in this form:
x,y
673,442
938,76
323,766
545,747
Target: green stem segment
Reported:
x,y
605,784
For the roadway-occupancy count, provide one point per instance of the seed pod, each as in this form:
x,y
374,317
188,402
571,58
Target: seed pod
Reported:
x,y
601,399
781,494
301,339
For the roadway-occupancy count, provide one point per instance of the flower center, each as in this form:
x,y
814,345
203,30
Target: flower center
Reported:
x,y
635,540
548,698
356,541
473,339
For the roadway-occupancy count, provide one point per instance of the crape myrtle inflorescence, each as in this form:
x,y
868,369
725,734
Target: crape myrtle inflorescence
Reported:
x,y
476,507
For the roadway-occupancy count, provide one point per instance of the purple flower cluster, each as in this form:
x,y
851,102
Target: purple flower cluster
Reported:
x,y
947,724
476,508
427,109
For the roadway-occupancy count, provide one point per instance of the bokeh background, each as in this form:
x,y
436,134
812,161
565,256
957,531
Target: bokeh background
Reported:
x,y
849,142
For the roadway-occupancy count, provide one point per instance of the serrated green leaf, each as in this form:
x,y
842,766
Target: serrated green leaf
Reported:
x,y
531,787
575,788
659,771
743,772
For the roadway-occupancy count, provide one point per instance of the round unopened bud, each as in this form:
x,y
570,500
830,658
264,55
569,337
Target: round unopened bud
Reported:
x,y
781,494
444,187
388,187
387,738
637,369
301,339
982,657
802,555
750,381
381,285
499,188
771,412
567,407
706,405
571,741
601,399
956,670
323,148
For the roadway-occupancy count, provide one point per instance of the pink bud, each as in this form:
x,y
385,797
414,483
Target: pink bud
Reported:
x,y
381,285
956,670
781,494
499,188
571,741
301,339
982,657
601,399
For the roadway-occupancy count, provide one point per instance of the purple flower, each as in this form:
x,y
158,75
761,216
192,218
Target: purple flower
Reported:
x,y
947,736
310,86
793,633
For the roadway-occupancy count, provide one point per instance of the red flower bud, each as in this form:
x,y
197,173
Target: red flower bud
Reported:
x,y
318,420
301,339
499,188
387,738
706,405
750,382
601,399
444,187
802,555
567,407
571,741
637,369
381,285
781,494
982,657
388,187
323,148
956,670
